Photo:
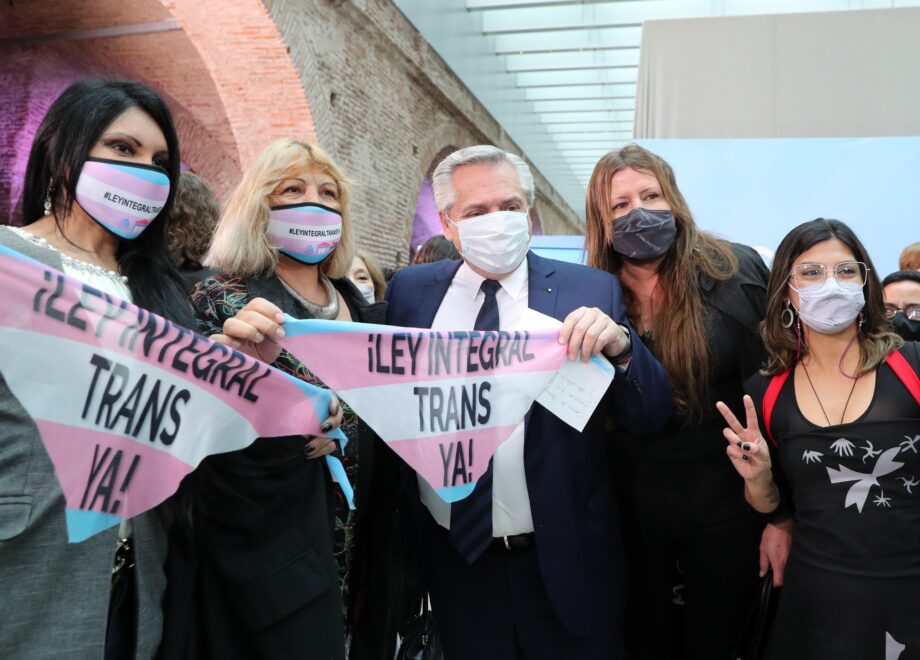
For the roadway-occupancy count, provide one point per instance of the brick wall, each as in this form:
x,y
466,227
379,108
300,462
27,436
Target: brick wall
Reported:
x,y
353,75
385,105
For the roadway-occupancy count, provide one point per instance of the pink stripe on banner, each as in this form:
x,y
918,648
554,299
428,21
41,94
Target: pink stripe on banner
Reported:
x,y
436,458
109,176
108,473
281,408
309,218
324,354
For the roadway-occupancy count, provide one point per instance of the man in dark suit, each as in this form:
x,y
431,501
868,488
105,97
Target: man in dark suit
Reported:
x,y
529,564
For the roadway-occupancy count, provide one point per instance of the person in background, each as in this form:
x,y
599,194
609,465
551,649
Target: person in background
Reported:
x,y
529,564
98,136
697,301
269,549
434,249
189,227
902,303
365,273
910,257
843,406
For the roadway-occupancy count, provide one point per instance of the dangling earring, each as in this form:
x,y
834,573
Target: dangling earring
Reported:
x,y
787,321
798,338
859,324
48,194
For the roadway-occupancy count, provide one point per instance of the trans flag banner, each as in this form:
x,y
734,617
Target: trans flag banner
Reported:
x,y
127,403
444,401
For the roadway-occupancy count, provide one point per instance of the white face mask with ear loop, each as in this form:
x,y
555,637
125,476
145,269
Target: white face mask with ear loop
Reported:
x,y
495,242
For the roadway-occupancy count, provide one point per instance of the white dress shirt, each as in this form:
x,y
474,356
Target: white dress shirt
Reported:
x,y
510,501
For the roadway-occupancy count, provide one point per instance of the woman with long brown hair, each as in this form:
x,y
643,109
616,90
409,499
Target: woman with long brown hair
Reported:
x,y
838,398
696,301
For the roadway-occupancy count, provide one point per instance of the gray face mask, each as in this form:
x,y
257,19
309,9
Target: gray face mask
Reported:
x,y
644,234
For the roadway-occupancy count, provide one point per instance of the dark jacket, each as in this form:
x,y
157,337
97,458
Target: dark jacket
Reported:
x,y
251,568
578,537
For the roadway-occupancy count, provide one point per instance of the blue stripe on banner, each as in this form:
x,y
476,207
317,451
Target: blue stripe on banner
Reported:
x,y
454,493
83,524
320,399
603,364
296,327
159,178
338,472
19,255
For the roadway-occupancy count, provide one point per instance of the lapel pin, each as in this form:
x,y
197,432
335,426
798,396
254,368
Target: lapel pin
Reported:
x,y
549,290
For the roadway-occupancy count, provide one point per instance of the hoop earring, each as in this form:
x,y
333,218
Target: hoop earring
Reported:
x,y
48,194
787,321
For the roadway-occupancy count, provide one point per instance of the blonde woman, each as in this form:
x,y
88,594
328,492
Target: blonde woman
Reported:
x,y
272,544
365,273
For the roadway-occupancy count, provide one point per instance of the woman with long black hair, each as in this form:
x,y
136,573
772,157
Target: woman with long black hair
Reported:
x,y
98,136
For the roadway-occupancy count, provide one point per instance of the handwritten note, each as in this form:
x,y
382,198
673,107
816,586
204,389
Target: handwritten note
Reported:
x,y
578,387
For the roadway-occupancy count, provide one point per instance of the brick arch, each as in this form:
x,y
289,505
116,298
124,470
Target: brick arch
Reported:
x,y
222,68
252,72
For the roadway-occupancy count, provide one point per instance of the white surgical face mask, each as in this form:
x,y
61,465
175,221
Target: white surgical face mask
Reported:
x,y
367,290
829,308
495,243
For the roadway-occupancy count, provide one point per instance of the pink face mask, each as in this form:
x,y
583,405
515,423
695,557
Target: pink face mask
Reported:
x,y
307,233
122,197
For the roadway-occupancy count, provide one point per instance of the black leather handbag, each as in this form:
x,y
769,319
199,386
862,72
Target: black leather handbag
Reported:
x,y
121,631
421,639
754,634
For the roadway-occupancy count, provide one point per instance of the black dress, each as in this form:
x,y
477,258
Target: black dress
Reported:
x,y
682,502
853,578
264,549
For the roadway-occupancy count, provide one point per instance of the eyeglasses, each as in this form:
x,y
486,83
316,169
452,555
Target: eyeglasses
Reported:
x,y
849,275
910,311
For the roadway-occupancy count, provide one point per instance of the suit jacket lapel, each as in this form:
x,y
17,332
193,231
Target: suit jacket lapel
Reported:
x,y
542,290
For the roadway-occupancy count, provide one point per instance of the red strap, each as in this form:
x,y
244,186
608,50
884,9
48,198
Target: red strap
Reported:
x,y
902,369
769,400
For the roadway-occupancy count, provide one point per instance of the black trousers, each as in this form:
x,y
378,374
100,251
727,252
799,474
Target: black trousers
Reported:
x,y
702,527
498,608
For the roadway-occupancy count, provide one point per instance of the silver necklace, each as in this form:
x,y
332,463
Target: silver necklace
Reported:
x,y
327,312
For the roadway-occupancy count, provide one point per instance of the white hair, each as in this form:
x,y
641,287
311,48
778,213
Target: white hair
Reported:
x,y
442,181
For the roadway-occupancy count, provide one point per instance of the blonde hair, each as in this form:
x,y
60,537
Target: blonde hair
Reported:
x,y
375,272
910,257
240,244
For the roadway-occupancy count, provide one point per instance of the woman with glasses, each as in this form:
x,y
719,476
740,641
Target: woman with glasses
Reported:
x,y
838,400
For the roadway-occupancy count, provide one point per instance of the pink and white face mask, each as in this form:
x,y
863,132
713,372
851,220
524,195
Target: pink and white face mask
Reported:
x,y
122,197
307,233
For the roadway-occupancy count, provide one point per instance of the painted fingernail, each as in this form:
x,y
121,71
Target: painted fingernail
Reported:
x,y
326,427
746,446
744,457
739,443
309,449
279,333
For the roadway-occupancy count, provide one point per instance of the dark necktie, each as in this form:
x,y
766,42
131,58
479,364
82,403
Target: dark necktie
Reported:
x,y
471,517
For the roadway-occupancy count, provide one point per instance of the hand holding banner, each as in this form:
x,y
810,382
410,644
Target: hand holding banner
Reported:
x,y
443,401
127,403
